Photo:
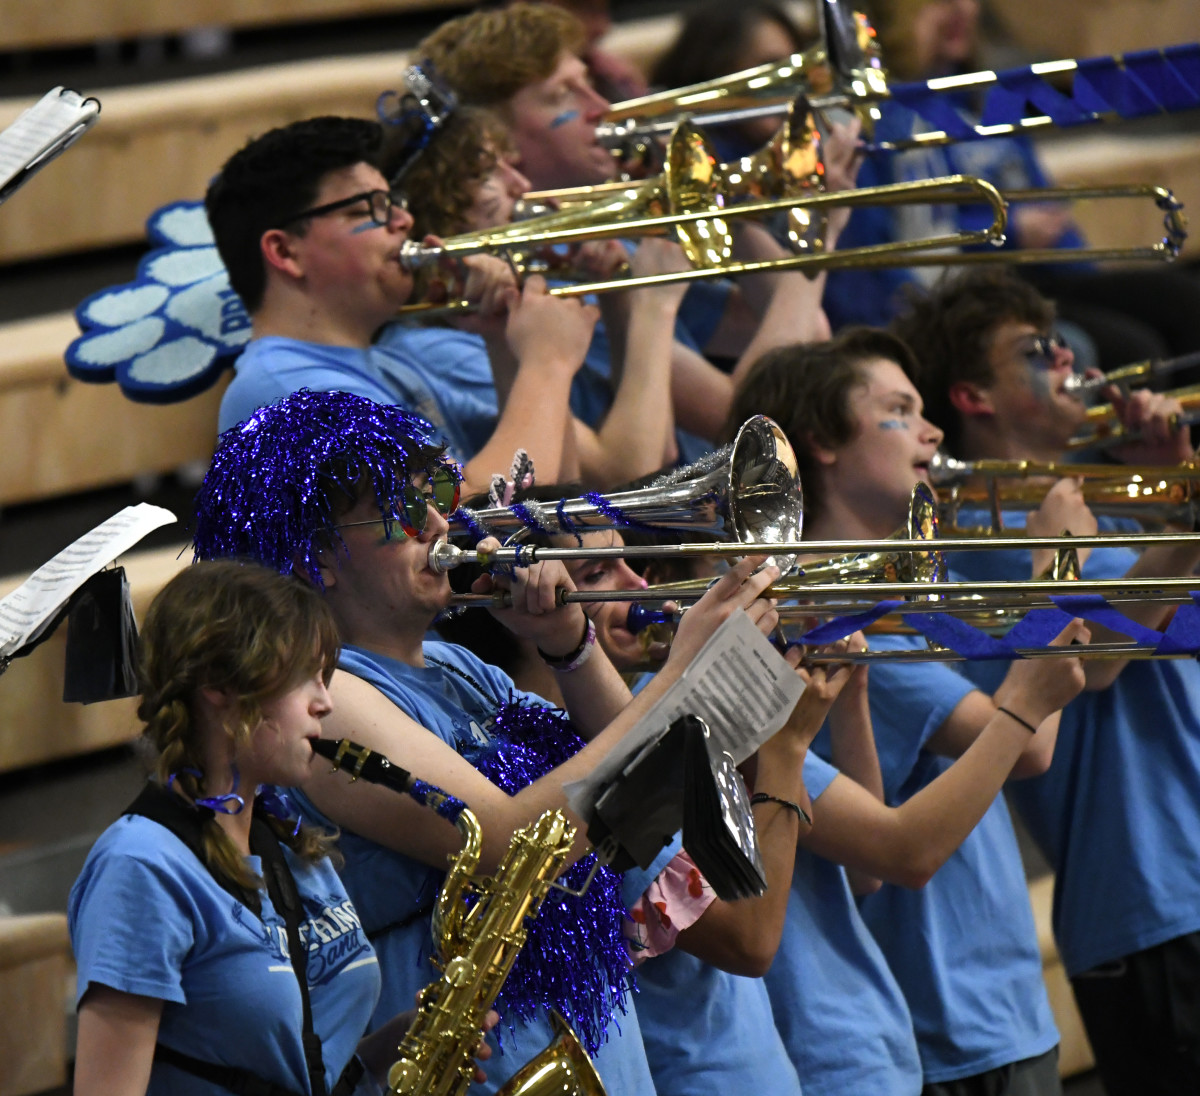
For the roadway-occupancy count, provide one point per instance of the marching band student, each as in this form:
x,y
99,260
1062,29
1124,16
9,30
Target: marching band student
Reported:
x,y
523,62
311,235
185,983
463,181
347,493
690,945
962,947
1117,810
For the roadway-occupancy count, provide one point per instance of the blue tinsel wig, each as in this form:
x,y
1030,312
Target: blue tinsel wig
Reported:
x,y
278,480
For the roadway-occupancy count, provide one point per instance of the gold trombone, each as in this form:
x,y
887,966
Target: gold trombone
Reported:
x,y
1166,494
694,198
1127,376
790,165
1102,426
845,72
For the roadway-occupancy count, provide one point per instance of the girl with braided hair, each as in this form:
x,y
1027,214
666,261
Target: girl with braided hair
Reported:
x,y
195,976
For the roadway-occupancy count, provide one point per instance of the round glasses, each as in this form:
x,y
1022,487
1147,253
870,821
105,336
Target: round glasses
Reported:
x,y
412,514
1041,350
380,205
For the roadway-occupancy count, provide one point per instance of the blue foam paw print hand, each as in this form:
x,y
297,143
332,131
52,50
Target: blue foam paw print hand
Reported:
x,y
168,334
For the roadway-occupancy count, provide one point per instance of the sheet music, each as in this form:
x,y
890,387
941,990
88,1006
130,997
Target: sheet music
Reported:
x,y
42,132
34,604
738,684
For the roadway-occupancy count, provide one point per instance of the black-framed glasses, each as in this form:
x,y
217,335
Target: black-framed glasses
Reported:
x,y
412,513
380,206
1041,350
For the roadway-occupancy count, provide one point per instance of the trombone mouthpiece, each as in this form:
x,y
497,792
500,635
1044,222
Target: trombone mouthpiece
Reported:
x,y
1079,385
414,256
945,471
444,556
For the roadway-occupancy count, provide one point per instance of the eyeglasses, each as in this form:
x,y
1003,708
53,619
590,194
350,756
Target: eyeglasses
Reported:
x,y
380,205
1041,350
412,515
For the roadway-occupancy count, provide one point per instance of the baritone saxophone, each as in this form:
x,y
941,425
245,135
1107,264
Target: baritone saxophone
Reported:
x,y
477,943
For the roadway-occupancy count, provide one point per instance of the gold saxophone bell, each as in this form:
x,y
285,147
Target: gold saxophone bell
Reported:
x,y
476,948
563,1068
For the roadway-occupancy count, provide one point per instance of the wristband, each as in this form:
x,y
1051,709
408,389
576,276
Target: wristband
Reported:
x,y
763,797
1013,715
564,664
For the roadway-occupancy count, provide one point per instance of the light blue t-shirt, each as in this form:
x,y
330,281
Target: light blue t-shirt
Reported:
x,y
1118,812
836,1003
147,918
273,367
725,1039
964,947
709,1032
393,892
456,367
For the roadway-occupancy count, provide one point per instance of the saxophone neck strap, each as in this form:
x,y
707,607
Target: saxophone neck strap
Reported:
x,y
170,811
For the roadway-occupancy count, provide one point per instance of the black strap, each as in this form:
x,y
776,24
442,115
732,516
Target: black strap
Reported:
x,y
286,900
185,822
240,1081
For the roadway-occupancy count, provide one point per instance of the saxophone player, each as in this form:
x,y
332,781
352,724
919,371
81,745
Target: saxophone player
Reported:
x,y
185,982
351,495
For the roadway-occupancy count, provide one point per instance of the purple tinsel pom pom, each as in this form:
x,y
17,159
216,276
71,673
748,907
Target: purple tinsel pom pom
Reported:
x,y
574,959
275,478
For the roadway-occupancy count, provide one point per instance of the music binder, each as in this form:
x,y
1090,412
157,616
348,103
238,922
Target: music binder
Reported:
x,y
41,133
682,780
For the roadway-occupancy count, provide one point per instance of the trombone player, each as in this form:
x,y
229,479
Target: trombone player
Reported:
x,y
522,62
963,948
1118,811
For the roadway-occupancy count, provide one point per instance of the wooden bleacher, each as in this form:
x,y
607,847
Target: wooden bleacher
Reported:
x,y
35,725
35,970
1074,1050
72,22
65,436
1098,27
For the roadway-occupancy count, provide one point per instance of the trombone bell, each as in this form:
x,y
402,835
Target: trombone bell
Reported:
x,y
749,493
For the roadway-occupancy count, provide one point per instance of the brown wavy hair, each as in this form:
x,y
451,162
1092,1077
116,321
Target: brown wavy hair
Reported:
x,y
488,56
248,631
443,181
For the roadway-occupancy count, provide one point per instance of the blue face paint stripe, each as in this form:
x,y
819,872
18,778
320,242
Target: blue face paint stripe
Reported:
x,y
366,226
893,424
563,118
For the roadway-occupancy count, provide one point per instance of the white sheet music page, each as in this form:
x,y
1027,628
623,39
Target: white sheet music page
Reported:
x,y
31,606
738,684
43,131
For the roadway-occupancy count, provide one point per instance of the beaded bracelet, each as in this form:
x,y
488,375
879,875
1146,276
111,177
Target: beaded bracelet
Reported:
x,y
564,664
1013,715
763,797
